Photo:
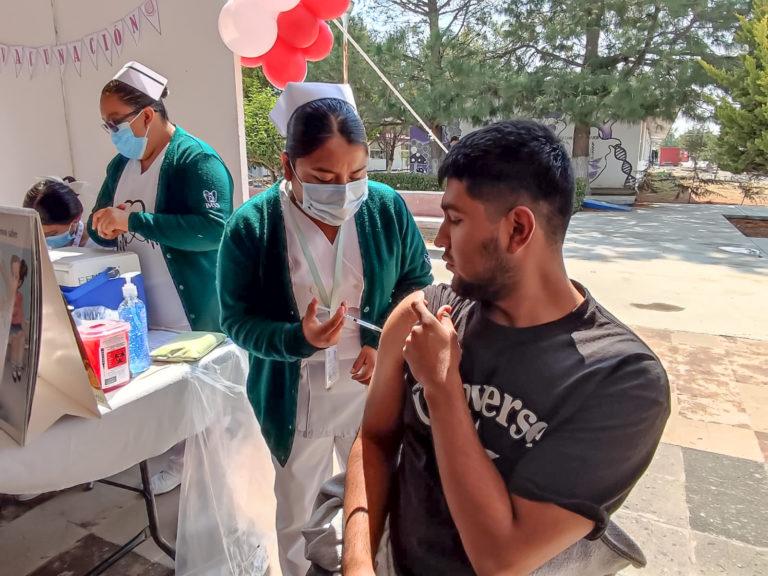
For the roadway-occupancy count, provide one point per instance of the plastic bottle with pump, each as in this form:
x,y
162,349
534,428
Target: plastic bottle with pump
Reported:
x,y
134,312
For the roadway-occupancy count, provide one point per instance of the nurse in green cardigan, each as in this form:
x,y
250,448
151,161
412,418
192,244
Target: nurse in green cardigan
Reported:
x,y
319,245
166,197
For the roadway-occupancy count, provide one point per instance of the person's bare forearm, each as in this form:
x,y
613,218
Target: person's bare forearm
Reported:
x,y
369,477
373,456
477,497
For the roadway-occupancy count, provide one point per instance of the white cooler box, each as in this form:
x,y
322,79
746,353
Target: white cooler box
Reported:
x,y
80,272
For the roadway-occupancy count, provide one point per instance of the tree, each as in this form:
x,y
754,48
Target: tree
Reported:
x,y
700,144
598,60
743,111
263,142
671,139
389,137
386,121
444,66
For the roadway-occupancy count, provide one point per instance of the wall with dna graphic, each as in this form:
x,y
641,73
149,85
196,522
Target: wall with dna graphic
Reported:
x,y
618,151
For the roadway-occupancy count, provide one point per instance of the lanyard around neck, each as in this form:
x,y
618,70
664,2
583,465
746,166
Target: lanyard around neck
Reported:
x,y
331,302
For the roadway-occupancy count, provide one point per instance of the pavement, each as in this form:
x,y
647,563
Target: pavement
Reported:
x,y
702,507
665,267
67,533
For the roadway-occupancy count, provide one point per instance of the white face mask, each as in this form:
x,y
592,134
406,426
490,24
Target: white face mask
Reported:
x,y
333,204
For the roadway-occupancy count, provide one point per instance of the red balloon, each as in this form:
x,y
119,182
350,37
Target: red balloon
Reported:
x,y
322,46
298,27
327,9
251,62
284,64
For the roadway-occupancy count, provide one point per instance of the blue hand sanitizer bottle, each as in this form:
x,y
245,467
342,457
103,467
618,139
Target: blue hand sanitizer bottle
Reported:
x,y
134,312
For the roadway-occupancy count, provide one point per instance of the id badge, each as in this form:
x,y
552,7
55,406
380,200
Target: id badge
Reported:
x,y
331,366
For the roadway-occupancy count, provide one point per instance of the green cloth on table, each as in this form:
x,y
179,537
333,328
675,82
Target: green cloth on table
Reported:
x,y
188,347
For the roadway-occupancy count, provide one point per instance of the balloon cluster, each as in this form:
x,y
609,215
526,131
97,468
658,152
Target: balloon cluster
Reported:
x,y
281,36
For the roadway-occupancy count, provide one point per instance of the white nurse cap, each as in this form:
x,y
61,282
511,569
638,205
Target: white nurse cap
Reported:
x,y
297,94
143,79
77,186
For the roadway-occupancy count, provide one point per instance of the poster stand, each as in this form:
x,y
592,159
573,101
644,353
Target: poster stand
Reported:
x,y
44,375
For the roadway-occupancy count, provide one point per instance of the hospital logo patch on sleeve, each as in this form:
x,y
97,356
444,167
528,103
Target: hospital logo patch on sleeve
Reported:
x,y
211,199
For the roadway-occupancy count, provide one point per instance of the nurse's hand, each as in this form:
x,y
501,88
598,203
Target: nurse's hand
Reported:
x,y
362,369
322,334
111,235
111,222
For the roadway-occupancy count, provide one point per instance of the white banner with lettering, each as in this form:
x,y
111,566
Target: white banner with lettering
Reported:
x,y
99,46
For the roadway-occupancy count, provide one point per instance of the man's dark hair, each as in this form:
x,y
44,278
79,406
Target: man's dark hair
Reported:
x,y
512,161
136,99
55,202
316,122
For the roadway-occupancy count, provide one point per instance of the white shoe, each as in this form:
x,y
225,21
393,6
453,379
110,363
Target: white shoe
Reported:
x,y
164,481
26,497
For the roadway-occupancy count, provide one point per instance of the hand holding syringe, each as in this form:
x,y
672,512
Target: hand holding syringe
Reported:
x,y
354,319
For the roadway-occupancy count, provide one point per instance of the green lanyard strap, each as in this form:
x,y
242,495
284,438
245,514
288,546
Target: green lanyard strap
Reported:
x,y
331,303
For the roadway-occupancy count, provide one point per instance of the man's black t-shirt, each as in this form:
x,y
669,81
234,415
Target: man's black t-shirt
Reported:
x,y
570,412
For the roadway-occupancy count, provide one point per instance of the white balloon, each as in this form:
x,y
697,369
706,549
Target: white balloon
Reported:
x,y
248,27
282,5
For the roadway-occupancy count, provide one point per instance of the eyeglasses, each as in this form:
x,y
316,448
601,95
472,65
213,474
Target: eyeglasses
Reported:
x,y
113,126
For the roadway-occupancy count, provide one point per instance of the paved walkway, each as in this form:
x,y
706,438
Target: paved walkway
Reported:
x,y
664,267
702,507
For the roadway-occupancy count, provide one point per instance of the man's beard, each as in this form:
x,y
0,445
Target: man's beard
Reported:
x,y
493,282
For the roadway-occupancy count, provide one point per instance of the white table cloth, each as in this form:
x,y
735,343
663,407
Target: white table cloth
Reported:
x,y
148,416
226,509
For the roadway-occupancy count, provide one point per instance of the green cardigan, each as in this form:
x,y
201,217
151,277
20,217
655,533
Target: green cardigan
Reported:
x,y
194,200
259,311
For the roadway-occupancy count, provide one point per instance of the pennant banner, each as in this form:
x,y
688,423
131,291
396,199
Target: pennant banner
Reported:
x,y
60,55
76,55
152,13
30,62
109,43
46,57
133,24
117,32
4,51
105,42
17,53
92,49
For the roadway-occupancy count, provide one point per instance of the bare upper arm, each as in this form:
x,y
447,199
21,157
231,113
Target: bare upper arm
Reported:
x,y
541,531
383,408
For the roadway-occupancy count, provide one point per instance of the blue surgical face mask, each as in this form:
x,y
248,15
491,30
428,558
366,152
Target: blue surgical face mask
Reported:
x,y
333,204
127,143
60,240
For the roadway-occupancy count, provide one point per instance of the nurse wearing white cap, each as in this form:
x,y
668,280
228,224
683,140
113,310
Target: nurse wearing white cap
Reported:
x,y
322,239
166,197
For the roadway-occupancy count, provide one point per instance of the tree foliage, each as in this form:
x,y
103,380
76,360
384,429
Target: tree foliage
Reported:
x,y
598,60
386,120
480,60
700,143
263,142
443,66
671,139
644,63
743,111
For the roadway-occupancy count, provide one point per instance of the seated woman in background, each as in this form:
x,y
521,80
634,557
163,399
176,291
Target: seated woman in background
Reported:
x,y
60,212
